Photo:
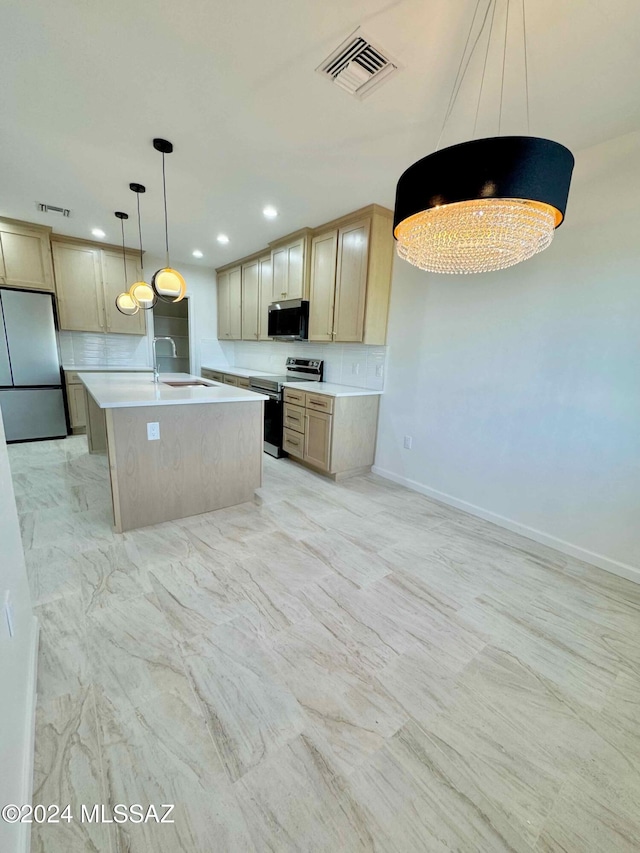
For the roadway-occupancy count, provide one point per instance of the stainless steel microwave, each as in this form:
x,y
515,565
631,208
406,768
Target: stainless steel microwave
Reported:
x,y
289,320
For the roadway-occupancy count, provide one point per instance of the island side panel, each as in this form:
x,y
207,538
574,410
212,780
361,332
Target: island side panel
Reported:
x,y
209,456
96,426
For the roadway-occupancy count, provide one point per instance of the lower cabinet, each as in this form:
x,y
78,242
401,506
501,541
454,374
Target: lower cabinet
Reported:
x,y
333,435
77,406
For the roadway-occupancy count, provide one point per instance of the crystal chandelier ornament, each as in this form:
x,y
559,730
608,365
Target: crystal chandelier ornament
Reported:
x,y
486,204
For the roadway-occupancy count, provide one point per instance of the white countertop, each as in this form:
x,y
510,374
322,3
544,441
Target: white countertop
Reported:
x,y
244,372
332,389
105,368
120,390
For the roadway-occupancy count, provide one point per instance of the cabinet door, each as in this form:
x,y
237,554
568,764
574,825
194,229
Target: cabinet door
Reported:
x,y
223,306
295,270
79,287
351,281
250,300
317,439
114,283
324,254
266,298
77,405
235,304
27,258
279,273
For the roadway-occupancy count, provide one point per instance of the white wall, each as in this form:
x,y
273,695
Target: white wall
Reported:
x,y
521,389
17,665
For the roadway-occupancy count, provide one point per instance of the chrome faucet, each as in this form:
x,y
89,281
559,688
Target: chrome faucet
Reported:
x,y
156,372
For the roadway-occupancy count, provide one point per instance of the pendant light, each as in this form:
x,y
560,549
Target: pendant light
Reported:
x,y
485,204
167,283
124,301
141,292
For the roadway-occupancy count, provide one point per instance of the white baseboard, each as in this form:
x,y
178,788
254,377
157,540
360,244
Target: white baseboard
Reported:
x,y
30,714
623,570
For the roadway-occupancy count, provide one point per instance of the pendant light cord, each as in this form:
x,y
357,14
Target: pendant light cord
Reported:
x,y
492,4
166,222
526,65
124,257
463,71
504,62
140,239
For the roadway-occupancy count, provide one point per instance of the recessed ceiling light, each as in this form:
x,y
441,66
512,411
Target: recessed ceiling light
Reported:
x,y
197,253
270,212
222,238
98,232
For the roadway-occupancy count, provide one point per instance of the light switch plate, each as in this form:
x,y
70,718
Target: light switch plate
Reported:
x,y
153,431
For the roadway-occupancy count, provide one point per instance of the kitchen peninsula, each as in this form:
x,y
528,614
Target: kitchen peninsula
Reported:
x,y
178,447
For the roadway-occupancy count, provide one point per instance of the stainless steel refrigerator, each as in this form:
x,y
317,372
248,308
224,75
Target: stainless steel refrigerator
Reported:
x,y
31,396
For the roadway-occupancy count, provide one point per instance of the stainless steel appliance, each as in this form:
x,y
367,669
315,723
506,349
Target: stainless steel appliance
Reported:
x,y
289,320
31,396
298,370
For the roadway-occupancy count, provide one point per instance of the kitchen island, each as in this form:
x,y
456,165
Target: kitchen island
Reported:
x,y
176,448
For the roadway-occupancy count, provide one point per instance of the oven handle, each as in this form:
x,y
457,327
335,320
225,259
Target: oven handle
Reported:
x,y
275,397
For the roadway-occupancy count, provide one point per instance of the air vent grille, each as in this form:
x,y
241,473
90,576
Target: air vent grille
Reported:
x,y
358,65
52,208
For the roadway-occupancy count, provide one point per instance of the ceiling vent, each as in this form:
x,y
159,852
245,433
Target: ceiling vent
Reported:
x,y
358,66
51,208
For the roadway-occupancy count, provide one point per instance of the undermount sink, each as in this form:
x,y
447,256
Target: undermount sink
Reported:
x,y
187,383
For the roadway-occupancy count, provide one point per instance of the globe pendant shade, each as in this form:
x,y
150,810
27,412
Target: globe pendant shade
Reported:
x,y
126,305
169,285
143,295
482,205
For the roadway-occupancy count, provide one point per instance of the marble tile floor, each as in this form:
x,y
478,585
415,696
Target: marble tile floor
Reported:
x,y
332,667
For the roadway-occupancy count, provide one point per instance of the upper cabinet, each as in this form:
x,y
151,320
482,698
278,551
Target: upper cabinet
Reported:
x,y
230,304
88,279
343,268
350,280
290,266
266,290
25,255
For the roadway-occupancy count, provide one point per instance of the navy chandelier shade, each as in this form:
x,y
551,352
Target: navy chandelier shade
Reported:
x,y
502,167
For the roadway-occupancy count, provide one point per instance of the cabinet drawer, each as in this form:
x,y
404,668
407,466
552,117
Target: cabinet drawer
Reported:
x,y
293,442
214,375
293,396
320,403
72,377
243,382
230,380
206,374
293,417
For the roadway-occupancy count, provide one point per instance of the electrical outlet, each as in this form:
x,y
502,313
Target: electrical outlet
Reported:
x,y
379,370
355,367
408,442
153,431
8,612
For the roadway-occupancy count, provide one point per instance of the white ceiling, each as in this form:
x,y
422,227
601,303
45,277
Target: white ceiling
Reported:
x,y
85,86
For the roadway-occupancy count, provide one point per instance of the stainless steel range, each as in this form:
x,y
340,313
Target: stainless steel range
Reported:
x,y
298,370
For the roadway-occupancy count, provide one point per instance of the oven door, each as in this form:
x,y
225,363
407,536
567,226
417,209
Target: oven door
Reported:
x,y
273,412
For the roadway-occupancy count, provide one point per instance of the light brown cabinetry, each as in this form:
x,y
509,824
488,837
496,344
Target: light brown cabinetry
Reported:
x,y
230,380
290,266
350,282
230,304
335,435
214,375
25,255
266,297
77,400
88,279
324,257
250,300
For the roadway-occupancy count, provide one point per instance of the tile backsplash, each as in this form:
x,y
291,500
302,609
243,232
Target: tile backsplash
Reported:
x,y
347,364
85,349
